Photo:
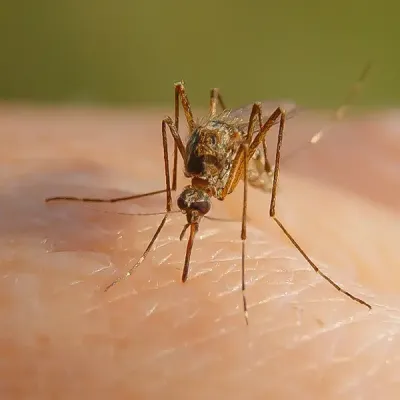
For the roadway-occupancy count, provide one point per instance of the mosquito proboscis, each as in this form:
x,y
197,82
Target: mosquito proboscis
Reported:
x,y
221,150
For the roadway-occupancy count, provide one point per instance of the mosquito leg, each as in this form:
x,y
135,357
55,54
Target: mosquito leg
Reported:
x,y
285,231
340,112
168,205
243,235
262,176
267,165
180,98
178,142
240,170
180,94
166,122
100,200
259,168
236,170
141,259
215,100
353,92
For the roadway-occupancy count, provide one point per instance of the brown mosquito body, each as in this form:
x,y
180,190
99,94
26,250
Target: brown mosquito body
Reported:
x,y
210,155
221,150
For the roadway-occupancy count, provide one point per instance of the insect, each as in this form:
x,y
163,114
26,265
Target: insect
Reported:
x,y
226,147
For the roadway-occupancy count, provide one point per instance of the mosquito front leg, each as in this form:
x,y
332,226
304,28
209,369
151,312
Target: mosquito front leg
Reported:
x,y
178,143
166,122
101,200
285,231
215,100
181,98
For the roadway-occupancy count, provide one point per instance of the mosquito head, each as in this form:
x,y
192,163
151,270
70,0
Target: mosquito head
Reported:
x,y
195,203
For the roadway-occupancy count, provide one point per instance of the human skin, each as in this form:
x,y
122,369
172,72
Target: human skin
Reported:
x,y
151,336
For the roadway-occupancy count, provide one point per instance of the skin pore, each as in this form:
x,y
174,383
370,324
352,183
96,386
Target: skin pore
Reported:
x,y
151,336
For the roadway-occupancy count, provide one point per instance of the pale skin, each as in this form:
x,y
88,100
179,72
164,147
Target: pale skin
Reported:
x,y
151,336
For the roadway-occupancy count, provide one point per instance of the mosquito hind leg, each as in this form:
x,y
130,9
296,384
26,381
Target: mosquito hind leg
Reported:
x,y
236,172
272,214
260,171
341,111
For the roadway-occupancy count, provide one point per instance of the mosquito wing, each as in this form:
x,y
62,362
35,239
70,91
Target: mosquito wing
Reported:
x,y
242,114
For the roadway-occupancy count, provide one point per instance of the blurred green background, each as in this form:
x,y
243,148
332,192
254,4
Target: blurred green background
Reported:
x,y
129,53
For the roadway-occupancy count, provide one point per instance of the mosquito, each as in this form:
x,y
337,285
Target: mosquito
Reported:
x,y
221,150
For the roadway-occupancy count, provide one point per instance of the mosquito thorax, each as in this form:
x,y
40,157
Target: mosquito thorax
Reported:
x,y
194,202
208,147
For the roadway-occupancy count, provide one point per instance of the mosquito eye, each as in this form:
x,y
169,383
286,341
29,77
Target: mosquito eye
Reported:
x,y
182,203
203,207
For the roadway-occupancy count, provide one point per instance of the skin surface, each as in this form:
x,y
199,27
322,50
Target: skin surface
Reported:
x,y
151,336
